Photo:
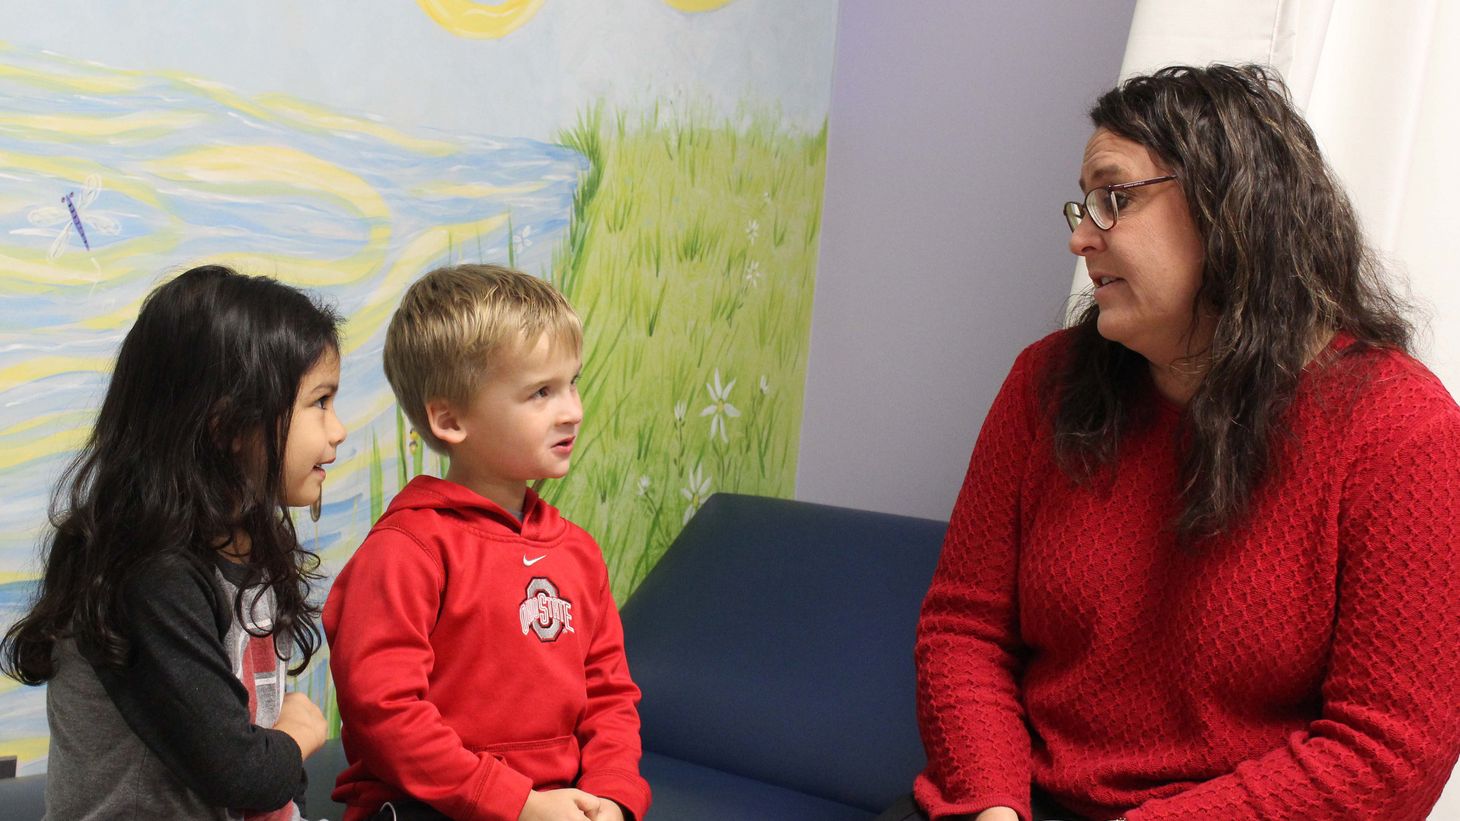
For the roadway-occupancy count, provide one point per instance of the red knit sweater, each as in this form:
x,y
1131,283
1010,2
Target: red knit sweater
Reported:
x,y
1302,665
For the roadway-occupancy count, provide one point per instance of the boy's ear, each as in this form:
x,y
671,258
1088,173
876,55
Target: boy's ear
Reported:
x,y
445,424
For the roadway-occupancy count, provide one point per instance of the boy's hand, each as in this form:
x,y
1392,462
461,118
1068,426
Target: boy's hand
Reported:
x,y
302,720
561,805
608,810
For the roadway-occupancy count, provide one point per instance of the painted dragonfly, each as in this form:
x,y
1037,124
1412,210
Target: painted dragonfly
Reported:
x,y
71,215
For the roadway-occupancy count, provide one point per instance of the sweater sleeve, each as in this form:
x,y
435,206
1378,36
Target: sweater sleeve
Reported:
x,y
608,734
178,693
1386,739
967,651
379,618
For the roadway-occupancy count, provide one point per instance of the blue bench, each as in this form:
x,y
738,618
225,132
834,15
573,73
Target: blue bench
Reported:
x,y
773,643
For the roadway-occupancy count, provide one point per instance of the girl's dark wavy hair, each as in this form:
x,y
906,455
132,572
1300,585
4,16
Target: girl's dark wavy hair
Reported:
x,y
212,366
1285,264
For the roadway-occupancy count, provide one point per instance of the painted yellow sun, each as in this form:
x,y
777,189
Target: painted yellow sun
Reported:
x,y
697,5
481,20
468,18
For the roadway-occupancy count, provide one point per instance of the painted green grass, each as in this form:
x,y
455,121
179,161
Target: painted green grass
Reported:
x,y
692,259
691,255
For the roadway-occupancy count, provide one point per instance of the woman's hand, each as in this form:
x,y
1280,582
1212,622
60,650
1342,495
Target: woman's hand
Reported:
x,y
302,720
997,814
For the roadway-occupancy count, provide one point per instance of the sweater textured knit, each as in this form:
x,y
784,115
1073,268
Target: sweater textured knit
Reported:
x,y
1300,665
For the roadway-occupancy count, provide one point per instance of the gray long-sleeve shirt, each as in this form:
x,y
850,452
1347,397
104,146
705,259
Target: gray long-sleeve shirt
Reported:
x,y
181,730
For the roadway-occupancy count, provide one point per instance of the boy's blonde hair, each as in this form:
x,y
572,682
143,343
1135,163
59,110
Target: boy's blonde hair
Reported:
x,y
454,324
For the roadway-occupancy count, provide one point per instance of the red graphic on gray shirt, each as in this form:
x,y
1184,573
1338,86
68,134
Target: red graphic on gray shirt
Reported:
x,y
256,663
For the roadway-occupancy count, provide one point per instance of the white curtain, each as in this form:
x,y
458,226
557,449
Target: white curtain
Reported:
x,y
1377,80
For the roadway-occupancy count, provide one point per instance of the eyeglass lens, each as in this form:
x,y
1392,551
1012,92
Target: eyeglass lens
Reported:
x,y
1073,215
1100,205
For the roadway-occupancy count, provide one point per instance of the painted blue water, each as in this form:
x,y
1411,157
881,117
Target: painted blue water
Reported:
x,y
359,198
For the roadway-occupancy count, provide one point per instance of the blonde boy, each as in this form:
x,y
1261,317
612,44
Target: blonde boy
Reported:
x,y
476,652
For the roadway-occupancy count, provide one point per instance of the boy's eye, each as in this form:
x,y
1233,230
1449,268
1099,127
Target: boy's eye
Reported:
x,y
542,392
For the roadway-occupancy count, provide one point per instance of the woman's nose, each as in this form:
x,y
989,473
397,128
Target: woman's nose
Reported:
x,y
1087,238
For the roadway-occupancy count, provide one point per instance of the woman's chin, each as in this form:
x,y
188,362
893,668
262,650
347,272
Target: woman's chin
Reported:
x,y
1108,324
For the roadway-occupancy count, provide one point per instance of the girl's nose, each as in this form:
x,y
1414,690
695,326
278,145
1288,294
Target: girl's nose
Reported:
x,y
336,429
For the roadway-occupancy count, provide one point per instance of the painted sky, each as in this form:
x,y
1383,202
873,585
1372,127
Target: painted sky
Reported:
x,y
396,62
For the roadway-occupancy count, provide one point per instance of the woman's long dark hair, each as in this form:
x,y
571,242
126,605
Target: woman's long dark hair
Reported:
x,y
1285,265
187,450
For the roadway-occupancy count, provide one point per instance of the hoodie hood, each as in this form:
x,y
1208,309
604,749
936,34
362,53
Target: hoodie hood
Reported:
x,y
540,520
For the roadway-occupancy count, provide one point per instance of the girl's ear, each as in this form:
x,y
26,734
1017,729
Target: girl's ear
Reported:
x,y
215,424
445,424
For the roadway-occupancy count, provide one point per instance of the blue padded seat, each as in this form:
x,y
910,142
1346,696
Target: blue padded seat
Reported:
x,y
23,798
773,643
323,767
688,791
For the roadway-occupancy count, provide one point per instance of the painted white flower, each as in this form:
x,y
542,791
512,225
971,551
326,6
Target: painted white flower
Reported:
x,y
521,240
752,230
719,408
765,386
752,273
696,493
680,409
643,485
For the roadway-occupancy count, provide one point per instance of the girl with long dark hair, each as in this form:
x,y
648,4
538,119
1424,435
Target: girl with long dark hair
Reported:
x,y
175,599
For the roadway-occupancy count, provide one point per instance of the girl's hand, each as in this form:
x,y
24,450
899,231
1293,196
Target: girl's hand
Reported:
x,y
302,720
608,810
561,805
997,814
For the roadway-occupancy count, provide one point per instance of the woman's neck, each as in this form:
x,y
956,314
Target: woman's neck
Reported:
x,y
1179,380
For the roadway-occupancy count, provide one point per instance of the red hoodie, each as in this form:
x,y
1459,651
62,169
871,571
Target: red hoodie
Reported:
x,y
475,659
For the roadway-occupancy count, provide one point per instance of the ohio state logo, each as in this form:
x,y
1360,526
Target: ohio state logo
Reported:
x,y
543,612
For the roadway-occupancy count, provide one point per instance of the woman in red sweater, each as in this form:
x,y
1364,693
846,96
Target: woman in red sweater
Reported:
x,y
1206,559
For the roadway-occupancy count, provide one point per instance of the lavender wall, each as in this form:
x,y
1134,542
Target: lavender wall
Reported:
x,y
956,133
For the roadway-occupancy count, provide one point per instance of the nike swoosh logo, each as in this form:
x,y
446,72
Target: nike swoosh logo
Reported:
x,y
526,562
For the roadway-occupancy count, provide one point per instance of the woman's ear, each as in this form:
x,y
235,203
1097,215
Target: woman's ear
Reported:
x,y
445,422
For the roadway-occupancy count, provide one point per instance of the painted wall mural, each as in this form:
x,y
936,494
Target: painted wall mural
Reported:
x,y
672,191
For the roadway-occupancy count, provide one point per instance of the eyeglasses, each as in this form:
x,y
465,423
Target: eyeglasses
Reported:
x,y
1102,205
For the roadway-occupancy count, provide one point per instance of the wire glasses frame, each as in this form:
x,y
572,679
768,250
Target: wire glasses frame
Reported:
x,y
1101,206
